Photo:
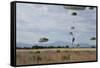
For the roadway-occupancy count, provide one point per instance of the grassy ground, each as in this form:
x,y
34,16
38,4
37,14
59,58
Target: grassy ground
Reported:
x,y
55,55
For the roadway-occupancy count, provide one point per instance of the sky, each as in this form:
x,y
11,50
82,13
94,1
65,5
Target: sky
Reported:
x,y
34,21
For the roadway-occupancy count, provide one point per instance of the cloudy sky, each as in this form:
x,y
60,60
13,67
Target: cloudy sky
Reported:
x,y
35,21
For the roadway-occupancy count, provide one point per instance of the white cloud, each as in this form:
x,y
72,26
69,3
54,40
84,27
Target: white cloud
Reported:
x,y
53,21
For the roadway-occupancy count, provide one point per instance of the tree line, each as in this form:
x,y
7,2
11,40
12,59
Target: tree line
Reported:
x,y
41,47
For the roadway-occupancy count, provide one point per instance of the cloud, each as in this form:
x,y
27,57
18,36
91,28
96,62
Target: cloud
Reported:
x,y
53,21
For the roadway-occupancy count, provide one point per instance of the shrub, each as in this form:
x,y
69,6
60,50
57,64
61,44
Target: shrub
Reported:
x,y
33,57
58,51
37,52
39,58
66,51
93,47
78,45
66,57
67,46
31,52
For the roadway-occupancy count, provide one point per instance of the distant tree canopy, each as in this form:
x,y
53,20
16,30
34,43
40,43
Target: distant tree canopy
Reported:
x,y
43,39
93,38
67,46
93,47
78,45
41,47
37,47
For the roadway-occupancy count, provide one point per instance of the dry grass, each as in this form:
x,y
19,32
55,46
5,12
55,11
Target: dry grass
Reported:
x,y
45,56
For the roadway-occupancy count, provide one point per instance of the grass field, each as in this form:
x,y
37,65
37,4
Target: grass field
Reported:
x,y
55,55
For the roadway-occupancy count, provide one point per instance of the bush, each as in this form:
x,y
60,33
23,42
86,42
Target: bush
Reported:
x,y
31,52
58,51
37,52
67,46
66,51
33,57
66,57
78,45
39,58
93,47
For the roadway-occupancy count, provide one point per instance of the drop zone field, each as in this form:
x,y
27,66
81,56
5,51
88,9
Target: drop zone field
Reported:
x,y
54,55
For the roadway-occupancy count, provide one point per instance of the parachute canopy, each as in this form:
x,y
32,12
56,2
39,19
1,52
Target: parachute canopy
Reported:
x,y
43,39
93,38
74,13
91,8
75,7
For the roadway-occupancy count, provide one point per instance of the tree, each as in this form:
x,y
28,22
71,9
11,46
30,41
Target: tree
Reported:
x,y
93,38
93,47
78,45
58,46
51,47
67,46
35,47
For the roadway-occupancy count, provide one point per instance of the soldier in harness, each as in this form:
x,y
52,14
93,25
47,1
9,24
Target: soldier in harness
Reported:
x,y
73,39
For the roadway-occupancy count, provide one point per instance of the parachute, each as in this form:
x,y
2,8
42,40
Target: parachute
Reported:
x,y
75,7
43,40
